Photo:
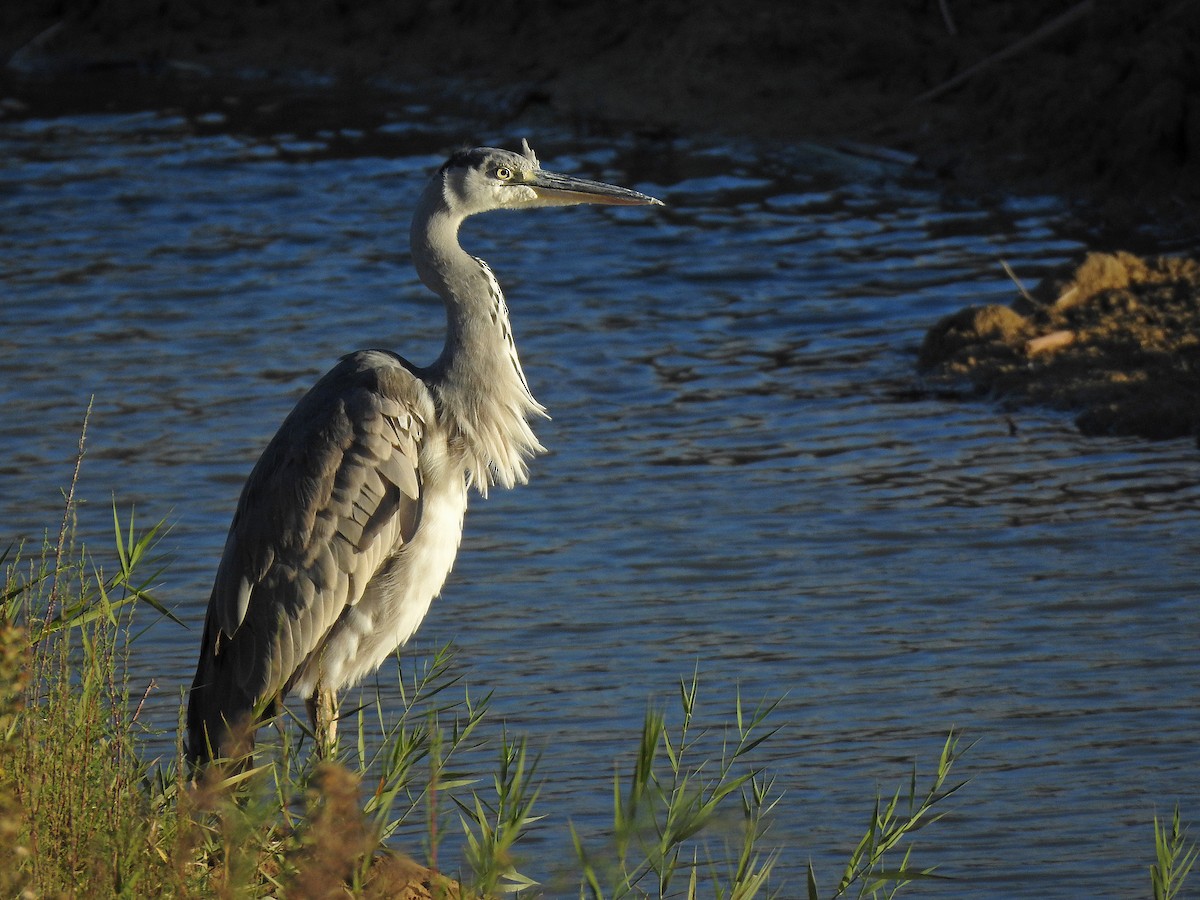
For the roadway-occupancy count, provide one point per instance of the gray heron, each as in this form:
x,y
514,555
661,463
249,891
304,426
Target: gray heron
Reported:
x,y
350,521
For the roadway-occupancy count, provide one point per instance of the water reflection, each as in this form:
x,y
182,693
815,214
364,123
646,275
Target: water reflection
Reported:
x,y
744,476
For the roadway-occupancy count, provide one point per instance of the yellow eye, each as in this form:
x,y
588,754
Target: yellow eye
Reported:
x,y
504,173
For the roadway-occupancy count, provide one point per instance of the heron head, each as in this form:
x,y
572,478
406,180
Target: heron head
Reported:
x,y
486,178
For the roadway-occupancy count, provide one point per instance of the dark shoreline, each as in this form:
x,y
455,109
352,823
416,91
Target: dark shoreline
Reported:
x,y
1093,103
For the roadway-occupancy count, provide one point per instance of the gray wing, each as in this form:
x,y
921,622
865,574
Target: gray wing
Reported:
x,y
334,495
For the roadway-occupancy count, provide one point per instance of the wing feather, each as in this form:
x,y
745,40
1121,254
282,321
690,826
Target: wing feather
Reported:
x,y
335,494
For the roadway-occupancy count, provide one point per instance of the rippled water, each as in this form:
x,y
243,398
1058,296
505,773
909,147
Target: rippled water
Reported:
x,y
743,476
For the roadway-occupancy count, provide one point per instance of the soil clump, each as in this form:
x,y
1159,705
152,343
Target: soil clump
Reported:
x,y
1117,338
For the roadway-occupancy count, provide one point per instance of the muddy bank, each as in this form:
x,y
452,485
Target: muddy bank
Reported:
x,y
1099,99
1117,339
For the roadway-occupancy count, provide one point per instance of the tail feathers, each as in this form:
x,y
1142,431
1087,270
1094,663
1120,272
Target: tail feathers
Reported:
x,y
221,716
219,726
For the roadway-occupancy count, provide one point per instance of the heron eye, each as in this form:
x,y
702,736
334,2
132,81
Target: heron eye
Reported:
x,y
504,173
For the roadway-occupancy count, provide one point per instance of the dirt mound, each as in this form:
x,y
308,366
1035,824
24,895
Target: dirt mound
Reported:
x,y
1118,338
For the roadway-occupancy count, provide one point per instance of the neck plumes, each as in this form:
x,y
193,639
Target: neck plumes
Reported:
x,y
478,379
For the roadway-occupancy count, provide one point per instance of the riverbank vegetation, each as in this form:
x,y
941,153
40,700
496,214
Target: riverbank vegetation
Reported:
x,y
87,814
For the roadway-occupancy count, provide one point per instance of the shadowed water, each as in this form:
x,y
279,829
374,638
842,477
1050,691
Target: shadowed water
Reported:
x,y
743,475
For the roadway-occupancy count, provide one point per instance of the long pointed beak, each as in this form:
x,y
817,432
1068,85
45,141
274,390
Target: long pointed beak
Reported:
x,y
555,189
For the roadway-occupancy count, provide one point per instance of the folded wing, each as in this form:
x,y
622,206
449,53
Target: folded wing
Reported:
x,y
336,494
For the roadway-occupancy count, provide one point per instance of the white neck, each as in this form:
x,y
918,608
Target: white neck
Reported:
x,y
478,379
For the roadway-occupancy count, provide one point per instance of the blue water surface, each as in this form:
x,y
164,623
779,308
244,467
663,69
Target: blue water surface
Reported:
x,y
744,477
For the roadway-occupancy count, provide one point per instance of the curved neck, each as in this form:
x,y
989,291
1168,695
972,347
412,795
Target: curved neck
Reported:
x,y
441,263
478,379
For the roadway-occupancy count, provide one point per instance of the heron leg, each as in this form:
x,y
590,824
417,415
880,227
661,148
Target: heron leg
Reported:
x,y
323,714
